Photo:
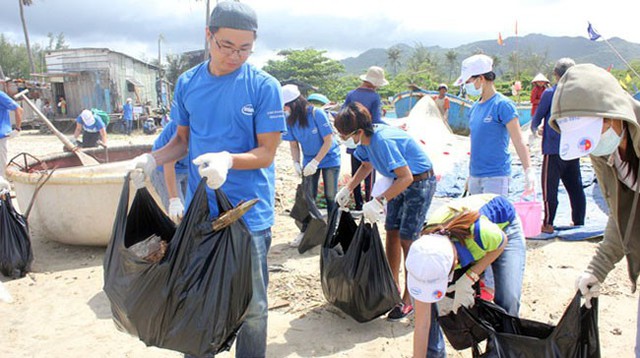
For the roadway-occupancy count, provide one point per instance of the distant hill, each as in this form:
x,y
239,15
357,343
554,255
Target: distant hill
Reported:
x,y
549,48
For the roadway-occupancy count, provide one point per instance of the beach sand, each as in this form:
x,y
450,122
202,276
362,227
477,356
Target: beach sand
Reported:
x,y
60,310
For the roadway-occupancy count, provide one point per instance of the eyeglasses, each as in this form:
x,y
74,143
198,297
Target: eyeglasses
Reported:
x,y
229,50
345,136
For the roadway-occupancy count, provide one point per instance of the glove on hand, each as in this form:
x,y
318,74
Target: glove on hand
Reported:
x,y
176,209
298,168
342,198
373,211
589,286
465,294
214,166
4,185
311,168
529,181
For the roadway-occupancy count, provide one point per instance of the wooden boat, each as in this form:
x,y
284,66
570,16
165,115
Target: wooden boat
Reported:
x,y
458,112
77,204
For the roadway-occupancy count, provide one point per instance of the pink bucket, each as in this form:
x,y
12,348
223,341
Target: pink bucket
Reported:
x,y
530,213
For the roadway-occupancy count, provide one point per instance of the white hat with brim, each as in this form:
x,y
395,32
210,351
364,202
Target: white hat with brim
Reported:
x,y
290,93
87,117
579,136
540,78
474,66
375,76
429,264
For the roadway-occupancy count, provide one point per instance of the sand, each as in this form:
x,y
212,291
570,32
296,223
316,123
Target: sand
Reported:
x,y
60,310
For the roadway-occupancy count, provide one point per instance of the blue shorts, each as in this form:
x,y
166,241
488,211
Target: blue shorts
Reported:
x,y
407,212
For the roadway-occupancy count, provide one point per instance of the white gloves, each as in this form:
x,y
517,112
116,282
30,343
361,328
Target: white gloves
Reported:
x,y
298,168
310,168
373,211
465,294
589,286
176,209
143,166
445,305
342,198
13,134
529,180
214,166
4,185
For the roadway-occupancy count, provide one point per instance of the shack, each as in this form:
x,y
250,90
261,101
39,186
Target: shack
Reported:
x,y
100,78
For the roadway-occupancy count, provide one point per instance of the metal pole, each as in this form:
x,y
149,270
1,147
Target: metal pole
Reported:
x,y
621,58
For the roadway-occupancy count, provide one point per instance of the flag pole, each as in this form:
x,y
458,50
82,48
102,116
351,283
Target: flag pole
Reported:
x,y
621,58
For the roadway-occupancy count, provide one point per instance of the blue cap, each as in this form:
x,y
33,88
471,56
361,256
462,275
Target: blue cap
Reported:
x,y
319,98
234,15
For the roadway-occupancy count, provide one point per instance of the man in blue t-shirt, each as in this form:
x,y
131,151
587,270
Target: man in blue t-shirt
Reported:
x,y
7,104
555,168
92,129
230,120
127,116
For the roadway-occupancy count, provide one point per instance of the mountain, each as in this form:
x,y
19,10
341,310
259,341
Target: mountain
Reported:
x,y
546,49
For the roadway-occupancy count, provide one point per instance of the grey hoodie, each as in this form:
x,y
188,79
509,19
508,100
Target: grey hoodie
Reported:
x,y
588,90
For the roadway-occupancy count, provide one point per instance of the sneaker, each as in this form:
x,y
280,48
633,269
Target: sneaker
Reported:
x,y
297,240
399,312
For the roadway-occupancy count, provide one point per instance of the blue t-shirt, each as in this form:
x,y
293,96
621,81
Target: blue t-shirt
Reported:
x,y
312,136
168,132
490,138
127,112
392,148
226,113
550,138
95,127
7,104
368,98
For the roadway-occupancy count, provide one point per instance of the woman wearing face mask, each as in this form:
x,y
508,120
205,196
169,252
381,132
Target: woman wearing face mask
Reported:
x,y
596,116
309,128
395,155
493,120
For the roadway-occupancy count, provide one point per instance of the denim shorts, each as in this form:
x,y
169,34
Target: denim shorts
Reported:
x,y
407,211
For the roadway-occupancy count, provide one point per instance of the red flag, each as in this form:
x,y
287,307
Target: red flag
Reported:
x,y
500,42
610,67
516,27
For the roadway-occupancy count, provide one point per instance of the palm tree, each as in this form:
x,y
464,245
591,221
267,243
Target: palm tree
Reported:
x,y
452,57
496,63
393,57
24,3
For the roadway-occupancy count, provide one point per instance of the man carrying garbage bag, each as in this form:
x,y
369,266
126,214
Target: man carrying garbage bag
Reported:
x,y
230,119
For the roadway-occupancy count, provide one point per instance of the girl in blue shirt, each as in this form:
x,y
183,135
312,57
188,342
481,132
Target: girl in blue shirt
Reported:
x,y
396,155
309,128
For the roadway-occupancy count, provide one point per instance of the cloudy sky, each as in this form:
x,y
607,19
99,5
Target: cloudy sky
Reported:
x,y
341,27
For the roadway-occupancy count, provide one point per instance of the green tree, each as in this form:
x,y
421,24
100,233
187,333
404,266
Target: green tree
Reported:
x,y
56,42
393,58
309,66
497,61
452,58
176,64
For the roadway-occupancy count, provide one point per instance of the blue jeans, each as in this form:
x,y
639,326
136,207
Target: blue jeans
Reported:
x,y
252,337
508,269
330,180
157,179
128,126
436,347
407,211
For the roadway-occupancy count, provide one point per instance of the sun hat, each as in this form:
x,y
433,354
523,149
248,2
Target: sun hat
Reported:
x,y
318,98
234,15
428,266
375,75
578,136
540,78
473,66
443,85
87,117
128,99
289,93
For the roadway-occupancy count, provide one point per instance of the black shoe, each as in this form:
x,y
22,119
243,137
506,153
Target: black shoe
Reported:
x,y
400,312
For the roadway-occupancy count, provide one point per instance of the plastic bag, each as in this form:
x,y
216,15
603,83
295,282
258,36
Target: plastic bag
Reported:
x,y
194,300
576,335
355,273
305,211
15,243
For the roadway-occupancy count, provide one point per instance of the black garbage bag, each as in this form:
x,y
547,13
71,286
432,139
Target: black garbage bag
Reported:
x,y
15,243
576,335
355,273
194,300
306,212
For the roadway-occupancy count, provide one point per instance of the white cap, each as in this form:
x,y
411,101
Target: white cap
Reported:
x,y
290,93
87,117
129,99
579,136
375,76
540,78
429,264
473,66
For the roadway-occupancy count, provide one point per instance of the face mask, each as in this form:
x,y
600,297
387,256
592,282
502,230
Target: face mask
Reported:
x,y
471,90
350,143
608,143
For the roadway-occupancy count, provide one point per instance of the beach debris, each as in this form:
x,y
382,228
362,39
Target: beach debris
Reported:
x,y
151,249
232,215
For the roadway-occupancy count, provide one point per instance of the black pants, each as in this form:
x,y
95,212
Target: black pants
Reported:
x,y
368,184
555,169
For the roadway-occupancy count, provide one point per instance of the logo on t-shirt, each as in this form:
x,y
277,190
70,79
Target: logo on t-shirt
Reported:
x,y
247,110
437,294
314,131
488,119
